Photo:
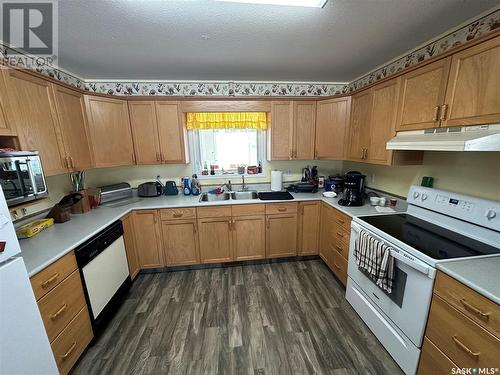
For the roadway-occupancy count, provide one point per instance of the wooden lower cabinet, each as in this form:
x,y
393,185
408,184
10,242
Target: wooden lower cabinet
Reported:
x,y
281,236
308,232
148,239
215,238
433,361
249,237
130,247
72,341
180,242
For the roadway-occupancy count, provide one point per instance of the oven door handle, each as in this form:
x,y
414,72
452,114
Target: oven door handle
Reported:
x,y
32,177
426,270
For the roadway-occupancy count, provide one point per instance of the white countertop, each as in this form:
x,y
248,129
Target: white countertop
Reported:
x,y
480,274
53,243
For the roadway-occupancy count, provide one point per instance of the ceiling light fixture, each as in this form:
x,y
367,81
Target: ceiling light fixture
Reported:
x,y
295,3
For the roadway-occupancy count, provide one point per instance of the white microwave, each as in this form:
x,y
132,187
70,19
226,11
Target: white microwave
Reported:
x,y
21,177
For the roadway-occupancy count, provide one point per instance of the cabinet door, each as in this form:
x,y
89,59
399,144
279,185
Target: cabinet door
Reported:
x,y
309,226
180,242
382,121
304,125
281,235
144,132
473,92
332,121
6,124
110,134
172,133
35,119
215,240
74,127
359,130
249,237
280,133
130,247
421,96
148,239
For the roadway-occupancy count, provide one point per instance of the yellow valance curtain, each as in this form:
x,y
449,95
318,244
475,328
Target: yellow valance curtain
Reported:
x,y
226,120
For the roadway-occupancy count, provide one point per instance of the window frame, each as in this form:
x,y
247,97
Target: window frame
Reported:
x,y
195,155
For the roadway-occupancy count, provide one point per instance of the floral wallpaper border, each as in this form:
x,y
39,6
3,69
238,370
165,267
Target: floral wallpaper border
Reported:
x,y
475,29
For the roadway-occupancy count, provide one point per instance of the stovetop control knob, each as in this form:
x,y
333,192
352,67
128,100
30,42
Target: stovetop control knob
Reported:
x,y
490,214
423,197
416,194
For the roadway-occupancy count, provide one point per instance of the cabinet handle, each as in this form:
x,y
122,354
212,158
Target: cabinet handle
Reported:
x,y
65,162
340,235
336,266
464,347
58,312
195,228
50,280
178,214
444,112
229,225
340,221
268,223
362,153
133,157
70,350
162,157
436,113
282,209
339,249
474,310
158,156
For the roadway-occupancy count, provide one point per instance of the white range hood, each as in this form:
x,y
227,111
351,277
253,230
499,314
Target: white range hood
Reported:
x,y
466,138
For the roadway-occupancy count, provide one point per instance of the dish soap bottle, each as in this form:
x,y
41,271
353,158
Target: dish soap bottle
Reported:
x,y
187,188
195,185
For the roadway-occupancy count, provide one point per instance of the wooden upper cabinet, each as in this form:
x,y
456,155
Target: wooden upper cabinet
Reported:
x,y
74,127
332,122
144,131
34,115
172,133
473,92
110,134
6,125
422,96
382,121
280,133
359,130
304,125
148,239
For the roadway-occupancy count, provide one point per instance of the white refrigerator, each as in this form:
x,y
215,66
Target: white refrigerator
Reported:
x,y
24,346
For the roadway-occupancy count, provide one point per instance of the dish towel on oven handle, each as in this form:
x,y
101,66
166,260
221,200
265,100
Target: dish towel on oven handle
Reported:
x,y
374,258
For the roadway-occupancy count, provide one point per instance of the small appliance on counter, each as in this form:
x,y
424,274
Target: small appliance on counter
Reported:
x,y
149,189
310,175
110,193
303,187
335,184
354,189
171,188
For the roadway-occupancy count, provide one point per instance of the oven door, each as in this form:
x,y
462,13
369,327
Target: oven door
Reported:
x,y
407,306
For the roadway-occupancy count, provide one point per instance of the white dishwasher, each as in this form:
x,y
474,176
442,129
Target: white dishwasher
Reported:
x,y
105,275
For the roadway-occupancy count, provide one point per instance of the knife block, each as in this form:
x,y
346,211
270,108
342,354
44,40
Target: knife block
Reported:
x,y
83,205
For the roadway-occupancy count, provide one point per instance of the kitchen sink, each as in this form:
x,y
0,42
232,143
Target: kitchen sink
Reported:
x,y
237,195
207,197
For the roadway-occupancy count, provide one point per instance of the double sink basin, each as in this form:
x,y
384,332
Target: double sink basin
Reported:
x,y
235,195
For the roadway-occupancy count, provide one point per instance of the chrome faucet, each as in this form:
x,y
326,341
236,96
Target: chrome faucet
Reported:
x,y
227,185
243,187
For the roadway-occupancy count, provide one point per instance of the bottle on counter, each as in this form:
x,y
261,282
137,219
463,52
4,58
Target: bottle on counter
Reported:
x,y
187,188
259,168
195,185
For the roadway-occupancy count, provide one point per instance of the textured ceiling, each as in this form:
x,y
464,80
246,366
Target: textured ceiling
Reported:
x,y
209,40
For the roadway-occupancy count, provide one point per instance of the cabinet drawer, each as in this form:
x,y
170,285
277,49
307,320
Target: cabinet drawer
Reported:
x,y
281,208
61,304
341,235
178,213
481,310
342,220
216,211
45,280
339,267
459,338
433,361
340,247
248,209
70,344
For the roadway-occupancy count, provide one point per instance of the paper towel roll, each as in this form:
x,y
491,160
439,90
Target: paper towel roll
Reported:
x,y
276,180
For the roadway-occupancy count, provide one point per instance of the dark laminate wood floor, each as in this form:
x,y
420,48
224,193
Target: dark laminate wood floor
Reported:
x,y
277,318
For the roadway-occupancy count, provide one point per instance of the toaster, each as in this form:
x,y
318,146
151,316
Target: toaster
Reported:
x,y
149,189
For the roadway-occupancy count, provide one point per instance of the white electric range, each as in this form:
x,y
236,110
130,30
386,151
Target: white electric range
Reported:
x,y
438,226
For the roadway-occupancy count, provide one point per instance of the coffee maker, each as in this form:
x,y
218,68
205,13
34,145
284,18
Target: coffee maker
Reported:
x,y
354,189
